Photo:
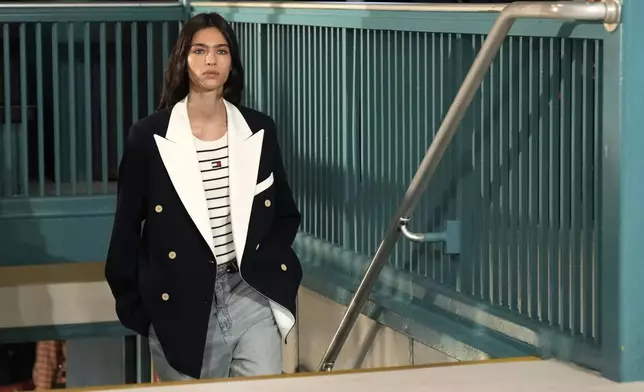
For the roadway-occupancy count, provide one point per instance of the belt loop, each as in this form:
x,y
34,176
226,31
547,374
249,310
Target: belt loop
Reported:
x,y
232,267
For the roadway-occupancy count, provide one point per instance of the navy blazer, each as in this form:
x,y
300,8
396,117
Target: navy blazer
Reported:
x,y
160,265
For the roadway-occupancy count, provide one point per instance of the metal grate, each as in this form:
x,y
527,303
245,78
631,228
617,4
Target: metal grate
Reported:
x,y
70,90
357,109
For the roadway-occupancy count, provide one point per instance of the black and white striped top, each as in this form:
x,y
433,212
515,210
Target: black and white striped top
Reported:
x,y
213,162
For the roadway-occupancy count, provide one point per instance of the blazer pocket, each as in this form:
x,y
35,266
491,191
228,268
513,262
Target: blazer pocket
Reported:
x,y
264,185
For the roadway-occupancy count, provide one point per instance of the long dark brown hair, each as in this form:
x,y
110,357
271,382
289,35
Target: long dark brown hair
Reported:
x,y
176,84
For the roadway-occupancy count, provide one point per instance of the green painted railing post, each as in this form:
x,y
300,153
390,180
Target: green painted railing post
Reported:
x,y
350,131
622,248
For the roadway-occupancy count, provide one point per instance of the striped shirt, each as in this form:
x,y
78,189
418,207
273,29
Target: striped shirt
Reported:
x,y
213,163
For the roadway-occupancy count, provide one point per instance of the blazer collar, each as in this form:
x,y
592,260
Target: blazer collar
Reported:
x,y
179,130
179,156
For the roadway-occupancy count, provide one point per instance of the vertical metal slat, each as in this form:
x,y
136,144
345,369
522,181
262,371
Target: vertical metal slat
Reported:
x,y
103,103
150,66
87,62
7,140
40,102
56,103
119,88
24,137
71,95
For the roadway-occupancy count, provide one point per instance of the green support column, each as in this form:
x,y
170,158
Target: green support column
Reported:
x,y
622,227
122,360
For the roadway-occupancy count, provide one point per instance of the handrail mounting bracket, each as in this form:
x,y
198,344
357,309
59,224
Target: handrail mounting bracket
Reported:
x,y
613,14
450,237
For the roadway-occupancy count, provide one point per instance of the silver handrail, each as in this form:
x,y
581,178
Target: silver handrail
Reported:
x,y
607,11
132,4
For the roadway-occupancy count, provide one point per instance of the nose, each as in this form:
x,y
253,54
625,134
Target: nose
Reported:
x,y
210,59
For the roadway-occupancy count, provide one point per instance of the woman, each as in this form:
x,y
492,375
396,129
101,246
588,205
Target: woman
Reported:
x,y
200,259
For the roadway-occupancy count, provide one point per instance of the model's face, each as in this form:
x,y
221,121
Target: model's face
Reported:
x,y
209,61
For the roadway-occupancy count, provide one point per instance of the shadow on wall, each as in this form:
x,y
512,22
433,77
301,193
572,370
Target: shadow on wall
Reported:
x,y
27,267
20,299
16,359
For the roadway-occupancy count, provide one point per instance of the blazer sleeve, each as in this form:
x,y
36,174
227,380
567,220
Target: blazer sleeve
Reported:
x,y
287,216
121,269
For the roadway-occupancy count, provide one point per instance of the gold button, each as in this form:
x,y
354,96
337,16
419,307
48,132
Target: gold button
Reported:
x,y
267,203
158,208
172,255
165,296
284,267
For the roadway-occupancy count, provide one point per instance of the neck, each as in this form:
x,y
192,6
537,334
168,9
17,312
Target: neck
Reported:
x,y
208,104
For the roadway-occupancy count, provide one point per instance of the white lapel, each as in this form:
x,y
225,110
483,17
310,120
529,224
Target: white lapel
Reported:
x,y
179,156
245,149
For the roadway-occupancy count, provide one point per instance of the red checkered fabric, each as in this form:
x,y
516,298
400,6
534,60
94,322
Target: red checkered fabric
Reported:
x,y
49,367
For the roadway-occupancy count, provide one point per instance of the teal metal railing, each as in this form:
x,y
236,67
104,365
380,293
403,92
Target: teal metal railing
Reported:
x,y
358,102
607,12
358,95
74,77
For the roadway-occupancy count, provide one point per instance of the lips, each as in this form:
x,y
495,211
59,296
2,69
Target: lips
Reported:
x,y
211,74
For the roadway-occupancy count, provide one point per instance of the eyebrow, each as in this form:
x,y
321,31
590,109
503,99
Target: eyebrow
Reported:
x,y
202,45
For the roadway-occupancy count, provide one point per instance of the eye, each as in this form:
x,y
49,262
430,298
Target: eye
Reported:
x,y
198,51
222,51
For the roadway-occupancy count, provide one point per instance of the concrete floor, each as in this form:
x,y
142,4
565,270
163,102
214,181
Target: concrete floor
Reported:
x,y
524,376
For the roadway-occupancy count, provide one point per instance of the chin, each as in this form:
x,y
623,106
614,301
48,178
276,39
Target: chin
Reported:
x,y
209,86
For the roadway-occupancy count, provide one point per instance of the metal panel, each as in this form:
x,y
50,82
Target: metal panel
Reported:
x,y
356,109
31,12
439,21
357,97
63,130
622,215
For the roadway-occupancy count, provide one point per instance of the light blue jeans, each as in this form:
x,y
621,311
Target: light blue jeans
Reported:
x,y
242,340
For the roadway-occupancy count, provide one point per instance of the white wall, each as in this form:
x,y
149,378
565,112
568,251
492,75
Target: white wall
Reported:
x,y
55,294
77,293
369,345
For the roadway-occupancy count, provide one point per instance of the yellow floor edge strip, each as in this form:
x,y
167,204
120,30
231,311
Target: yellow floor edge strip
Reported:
x,y
312,374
